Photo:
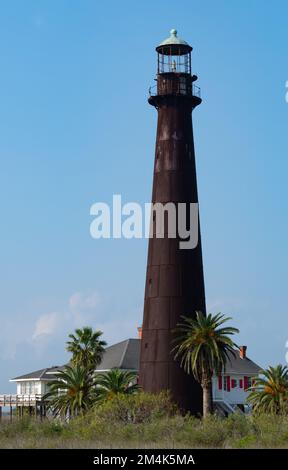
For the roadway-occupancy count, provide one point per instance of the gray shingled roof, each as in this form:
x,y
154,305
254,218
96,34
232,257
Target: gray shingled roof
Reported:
x,y
126,355
44,374
236,365
123,355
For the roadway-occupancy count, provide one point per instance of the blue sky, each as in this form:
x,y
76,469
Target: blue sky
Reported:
x,y
76,128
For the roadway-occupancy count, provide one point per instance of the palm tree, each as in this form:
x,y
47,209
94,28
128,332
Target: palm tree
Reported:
x,y
72,393
203,347
86,347
270,392
115,382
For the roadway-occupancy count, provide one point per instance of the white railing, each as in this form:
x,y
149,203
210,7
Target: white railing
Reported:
x,y
227,407
20,399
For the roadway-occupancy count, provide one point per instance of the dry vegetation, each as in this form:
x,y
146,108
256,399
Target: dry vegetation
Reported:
x,y
146,421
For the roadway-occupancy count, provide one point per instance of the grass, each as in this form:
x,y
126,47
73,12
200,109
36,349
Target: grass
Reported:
x,y
146,421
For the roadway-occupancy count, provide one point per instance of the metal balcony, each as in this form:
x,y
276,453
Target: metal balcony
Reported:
x,y
176,88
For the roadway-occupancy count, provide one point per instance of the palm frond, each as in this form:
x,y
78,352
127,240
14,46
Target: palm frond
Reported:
x,y
203,344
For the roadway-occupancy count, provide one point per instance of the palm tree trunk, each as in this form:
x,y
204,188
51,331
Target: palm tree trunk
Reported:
x,y
207,398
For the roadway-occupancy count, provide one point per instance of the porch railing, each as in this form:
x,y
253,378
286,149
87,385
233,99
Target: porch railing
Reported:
x,y
20,399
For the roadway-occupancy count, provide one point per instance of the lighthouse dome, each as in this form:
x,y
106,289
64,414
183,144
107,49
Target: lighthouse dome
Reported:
x,y
173,39
174,43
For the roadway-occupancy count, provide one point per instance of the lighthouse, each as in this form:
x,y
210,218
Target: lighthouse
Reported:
x,y
174,277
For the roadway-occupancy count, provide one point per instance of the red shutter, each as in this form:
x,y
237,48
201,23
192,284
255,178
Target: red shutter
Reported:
x,y
233,383
220,382
241,383
253,383
245,383
228,383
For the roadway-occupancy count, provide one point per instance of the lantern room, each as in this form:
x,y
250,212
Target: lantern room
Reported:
x,y
174,55
174,71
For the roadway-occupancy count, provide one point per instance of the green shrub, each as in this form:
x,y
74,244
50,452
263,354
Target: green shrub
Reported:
x,y
10,430
52,428
139,408
237,425
146,421
245,442
211,432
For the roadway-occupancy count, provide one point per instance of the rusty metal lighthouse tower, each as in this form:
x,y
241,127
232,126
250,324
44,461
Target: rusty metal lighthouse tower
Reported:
x,y
174,279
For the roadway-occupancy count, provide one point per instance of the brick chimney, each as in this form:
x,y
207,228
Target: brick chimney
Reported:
x,y
139,329
242,352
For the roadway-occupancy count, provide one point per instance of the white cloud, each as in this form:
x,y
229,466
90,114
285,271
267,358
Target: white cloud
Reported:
x,y
40,333
45,325
82,310
81,301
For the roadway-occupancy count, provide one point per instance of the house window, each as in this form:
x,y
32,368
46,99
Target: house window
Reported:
x,y
220,381
227,383
234,383
245,383
250,383
27,388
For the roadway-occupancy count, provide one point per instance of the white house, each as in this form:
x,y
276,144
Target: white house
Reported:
x,y
230,389
31,387
35,383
